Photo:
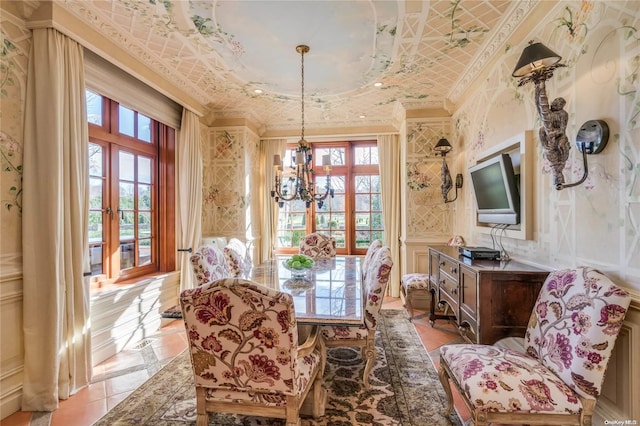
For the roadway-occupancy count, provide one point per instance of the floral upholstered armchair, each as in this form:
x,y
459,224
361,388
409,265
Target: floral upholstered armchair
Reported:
x,y
209,264
317,245
375,287
567,345
237,257
243,342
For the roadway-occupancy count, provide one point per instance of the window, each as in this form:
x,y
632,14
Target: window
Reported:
x,y
353,216
131,204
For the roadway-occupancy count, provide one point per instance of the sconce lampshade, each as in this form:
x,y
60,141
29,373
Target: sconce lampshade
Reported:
x,y
443,146
534,57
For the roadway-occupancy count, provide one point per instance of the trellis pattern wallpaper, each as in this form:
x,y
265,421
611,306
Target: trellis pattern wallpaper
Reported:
x,y
427,214
598,222
228,155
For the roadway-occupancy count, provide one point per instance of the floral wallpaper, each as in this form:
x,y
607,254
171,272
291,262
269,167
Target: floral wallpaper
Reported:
x,y
14,48
596,222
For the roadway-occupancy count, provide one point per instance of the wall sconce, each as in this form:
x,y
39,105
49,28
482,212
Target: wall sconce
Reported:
x,y
442,148
536,64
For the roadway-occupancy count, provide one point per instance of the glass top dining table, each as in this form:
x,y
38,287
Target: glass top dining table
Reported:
x,y
330,293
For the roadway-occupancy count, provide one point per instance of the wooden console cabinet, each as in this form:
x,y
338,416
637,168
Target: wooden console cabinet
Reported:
x,y
489,299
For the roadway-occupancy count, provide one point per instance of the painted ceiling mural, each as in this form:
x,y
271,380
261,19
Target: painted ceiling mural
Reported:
x,y
424,53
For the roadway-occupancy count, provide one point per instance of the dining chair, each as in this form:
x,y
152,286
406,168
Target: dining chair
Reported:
x,y
243,344
363,336
558,377
371,250
317,245
209,264
237,257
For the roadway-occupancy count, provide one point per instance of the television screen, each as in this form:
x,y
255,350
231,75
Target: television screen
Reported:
x,y
496,191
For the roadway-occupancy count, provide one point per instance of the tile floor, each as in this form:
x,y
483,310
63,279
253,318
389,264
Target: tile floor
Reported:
x,y
114,379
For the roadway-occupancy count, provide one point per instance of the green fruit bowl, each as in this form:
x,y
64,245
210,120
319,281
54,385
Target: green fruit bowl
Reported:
x,y
298,264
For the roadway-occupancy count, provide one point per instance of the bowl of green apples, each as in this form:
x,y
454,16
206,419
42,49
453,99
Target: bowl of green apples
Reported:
x,y
298,264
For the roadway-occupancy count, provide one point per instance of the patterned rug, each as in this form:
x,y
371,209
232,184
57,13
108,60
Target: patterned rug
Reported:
x,y
404,391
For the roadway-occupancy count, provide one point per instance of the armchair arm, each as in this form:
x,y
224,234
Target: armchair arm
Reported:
x,y
310,344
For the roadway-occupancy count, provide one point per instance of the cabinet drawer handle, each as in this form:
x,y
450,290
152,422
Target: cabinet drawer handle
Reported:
x,y
454,291
453,270
442,263
442,282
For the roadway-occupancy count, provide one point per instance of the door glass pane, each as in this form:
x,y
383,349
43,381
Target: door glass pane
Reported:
x,y
144,169
376,203
341,242
95,160
337,221
95,227
363,239
376,221
144,128
144,197
362,202
144,225
95,259
127,255
322,221
94,108
126,121
127,225
363,184
337,203
126,165
95,193
375,183
126,196
362,221
144,252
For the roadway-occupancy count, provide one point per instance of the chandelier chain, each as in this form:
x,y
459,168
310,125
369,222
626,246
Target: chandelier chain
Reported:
x,y
302,87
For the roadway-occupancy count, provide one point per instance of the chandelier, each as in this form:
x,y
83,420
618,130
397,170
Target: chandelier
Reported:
x,y
299,183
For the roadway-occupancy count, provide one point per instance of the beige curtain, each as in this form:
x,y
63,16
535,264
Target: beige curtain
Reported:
x,y
270,209
54,224
389,149
189,193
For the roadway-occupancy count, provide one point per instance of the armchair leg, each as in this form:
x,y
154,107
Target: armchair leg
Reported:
x,y
444,379
202,417
370,355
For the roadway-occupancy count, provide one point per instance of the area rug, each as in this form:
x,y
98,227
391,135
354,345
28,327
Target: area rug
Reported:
x,y
405,389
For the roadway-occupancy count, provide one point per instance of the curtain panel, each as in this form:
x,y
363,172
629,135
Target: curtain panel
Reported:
x,y
390,169
54,224
270,209
189,193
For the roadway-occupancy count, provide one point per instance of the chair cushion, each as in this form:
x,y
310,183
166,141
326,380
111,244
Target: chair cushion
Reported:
x,y
502,380
415,281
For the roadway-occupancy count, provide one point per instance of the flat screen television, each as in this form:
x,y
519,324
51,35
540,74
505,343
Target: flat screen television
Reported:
x,y
496,191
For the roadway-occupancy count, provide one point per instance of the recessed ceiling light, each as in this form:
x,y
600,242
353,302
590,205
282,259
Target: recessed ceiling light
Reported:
x,y
258,91
377,84
363,116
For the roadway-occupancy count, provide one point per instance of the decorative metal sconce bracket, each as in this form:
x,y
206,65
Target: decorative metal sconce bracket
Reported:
x,y
442,148
591,139
458,185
